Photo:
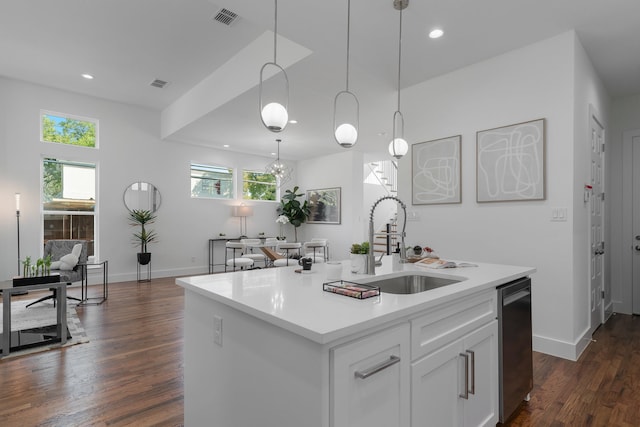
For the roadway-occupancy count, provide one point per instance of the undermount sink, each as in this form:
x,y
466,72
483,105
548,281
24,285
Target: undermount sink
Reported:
x,y
410,284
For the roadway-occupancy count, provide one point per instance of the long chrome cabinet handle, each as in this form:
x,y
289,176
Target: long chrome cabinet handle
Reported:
x,y
472,390
377,368
465,395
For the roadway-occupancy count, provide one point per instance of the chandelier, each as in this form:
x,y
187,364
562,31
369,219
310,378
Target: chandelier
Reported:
x,y
281,171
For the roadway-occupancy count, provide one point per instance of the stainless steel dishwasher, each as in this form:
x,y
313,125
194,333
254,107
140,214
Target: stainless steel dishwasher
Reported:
x,y
515,345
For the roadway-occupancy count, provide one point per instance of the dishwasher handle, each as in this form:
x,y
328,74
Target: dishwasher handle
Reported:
x,y
510,299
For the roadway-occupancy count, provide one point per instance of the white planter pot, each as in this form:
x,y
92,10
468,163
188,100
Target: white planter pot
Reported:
x,y
359,263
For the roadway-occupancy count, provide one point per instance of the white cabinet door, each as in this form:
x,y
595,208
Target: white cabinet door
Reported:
x,y
370,380
481,408
457,384
435,388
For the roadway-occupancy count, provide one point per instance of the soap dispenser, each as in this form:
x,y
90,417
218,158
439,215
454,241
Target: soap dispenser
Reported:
x,y
395,258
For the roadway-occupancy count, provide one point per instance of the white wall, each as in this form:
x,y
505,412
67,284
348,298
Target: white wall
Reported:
x,y
527,84
625,116
130,150
590,97
337,170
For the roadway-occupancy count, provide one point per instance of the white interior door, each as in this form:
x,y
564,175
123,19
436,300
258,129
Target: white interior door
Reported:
x,y
596,235
636,225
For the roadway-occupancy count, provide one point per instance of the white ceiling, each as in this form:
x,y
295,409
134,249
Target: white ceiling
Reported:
x,y
127,44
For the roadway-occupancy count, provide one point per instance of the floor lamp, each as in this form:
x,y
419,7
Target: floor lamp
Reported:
x,y
18,225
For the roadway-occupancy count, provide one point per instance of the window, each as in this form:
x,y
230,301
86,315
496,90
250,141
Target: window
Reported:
x,y
211,182
69,200
69,130
258,186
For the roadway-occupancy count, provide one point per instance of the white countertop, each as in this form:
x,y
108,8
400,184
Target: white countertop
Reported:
x,y
297,303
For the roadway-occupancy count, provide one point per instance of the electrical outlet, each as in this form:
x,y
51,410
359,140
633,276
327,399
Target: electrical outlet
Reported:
x,y
193,259
217,330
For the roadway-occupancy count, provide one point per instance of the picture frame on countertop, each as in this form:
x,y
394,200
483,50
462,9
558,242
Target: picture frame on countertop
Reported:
x,y
436,171
510,163
324,206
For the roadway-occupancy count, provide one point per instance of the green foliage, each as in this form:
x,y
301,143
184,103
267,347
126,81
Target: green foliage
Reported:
x,y
296,212
69,131
51,180
258,186
360,248
42,267
142,217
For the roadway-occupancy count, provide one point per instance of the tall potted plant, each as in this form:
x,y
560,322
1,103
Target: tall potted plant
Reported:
x,y
294,210
141,217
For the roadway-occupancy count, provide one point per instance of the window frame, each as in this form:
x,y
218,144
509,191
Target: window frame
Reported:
x,y
94,213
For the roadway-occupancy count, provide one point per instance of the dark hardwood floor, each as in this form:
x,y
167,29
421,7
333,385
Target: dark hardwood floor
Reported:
x,y
131,371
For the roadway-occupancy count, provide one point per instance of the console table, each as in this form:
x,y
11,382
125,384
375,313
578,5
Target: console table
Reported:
x,y
61,315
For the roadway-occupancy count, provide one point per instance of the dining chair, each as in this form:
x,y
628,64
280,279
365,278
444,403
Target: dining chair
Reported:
x,y
236,249
250,245
316,249
287,250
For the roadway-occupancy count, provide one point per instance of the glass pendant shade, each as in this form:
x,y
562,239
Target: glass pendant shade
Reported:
x,y
274,116
346,108
345,119
346,134
398,148
273,106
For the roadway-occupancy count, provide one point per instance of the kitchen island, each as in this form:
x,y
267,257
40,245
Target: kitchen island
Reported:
x,y
269,347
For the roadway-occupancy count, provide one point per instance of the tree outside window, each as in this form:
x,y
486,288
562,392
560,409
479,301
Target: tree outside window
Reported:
x,y
258,186
68,130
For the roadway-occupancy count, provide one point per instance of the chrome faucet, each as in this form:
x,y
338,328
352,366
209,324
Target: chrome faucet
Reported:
x,y
371,264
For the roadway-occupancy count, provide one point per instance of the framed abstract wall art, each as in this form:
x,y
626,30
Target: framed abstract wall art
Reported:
x,y
435,171
510,162
324,205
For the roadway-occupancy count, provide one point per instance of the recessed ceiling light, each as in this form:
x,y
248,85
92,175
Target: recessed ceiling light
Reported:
x,y
273,154
436,33
226,145
293,122
87,76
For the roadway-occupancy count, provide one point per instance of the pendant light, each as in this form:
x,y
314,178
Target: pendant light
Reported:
x,y
274,114
278,169
346,133
398,147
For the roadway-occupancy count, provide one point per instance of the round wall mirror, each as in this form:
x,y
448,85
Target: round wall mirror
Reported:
x,y
142,196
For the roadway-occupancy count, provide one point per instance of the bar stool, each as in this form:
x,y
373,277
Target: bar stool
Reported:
x,y
236,260
250,244
316,245
285,249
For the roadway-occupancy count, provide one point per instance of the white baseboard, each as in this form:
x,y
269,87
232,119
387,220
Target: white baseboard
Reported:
x,y
157,274
562,349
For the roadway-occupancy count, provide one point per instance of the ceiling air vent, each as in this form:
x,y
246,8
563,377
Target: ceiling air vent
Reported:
x,y
225,16
158,83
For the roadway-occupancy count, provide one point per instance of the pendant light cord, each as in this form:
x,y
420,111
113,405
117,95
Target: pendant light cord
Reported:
x,y
275,33
399,57
348,39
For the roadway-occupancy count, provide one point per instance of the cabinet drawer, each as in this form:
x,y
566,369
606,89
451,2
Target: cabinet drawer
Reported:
x,y
451,321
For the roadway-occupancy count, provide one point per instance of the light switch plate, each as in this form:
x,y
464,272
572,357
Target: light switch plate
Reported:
x,y
559,214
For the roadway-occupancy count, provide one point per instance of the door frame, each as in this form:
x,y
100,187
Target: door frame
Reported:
x,y
627,216
594,116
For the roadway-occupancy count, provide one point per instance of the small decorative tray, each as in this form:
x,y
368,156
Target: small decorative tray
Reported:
x,y
351,289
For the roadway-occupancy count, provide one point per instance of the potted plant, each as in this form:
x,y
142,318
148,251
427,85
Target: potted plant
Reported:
x,y
296,212
359,257
142,217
